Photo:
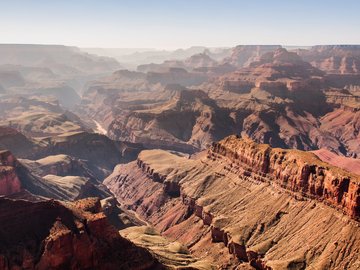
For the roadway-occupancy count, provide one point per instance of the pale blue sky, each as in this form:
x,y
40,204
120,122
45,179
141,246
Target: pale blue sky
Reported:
x,y
179,23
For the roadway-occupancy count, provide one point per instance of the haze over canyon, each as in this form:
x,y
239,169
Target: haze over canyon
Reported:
x,y
122,146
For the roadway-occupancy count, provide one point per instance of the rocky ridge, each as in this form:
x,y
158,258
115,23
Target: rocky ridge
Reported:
x,y
207,203
58,236
17,177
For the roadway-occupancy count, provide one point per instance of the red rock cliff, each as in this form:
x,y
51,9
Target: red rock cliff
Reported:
x,y
297,171
9,181
48,235
247,203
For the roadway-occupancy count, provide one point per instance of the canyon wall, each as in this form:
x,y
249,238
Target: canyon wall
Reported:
x,y
9,180
245,204
294,170
56,236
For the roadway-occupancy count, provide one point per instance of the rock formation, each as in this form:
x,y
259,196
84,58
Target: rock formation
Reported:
x,y
58,236
173,254
42,178
247,204
38,116
67,167
338,59
187,122
278,98
175,75
243,55
9,180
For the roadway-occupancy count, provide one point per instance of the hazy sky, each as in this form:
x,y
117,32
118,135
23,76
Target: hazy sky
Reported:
x,y
179,23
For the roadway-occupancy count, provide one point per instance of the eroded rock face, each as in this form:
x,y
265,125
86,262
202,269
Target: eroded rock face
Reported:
x,y
39,116
243,55
100,152
19,144
43,178
294,170
338,59
59,237
67,167
186,123
248,204
274,96
9,180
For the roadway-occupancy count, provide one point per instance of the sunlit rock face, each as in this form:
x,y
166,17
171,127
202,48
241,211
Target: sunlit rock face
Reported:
x,y
241,203
334,59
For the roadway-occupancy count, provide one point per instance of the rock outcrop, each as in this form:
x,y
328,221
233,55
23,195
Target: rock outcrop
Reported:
x,y
58,236
19,144
29,176
38,116
243,55
247,204
273,96
338,59
85,157
185,123
294,170
9,180
172,254
175,75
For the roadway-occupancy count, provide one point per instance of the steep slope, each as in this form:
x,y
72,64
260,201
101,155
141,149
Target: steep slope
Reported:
x,y
193,63
247,204
282,100
38,116
58,236
100,152
61,165
84,154
19,144
338,59
173,254
349,164
276,98
30,177
187,122
176,75
243,55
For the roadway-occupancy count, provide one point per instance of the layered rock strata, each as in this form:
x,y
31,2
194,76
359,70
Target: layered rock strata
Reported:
x,y
248,204
56,236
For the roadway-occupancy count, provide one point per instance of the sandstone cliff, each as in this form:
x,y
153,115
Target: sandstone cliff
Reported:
x,y
56,236
247,204
274,96
188,121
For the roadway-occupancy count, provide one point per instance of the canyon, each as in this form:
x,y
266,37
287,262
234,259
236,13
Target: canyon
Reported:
x,y
207,202
271,95
58,236
200,158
